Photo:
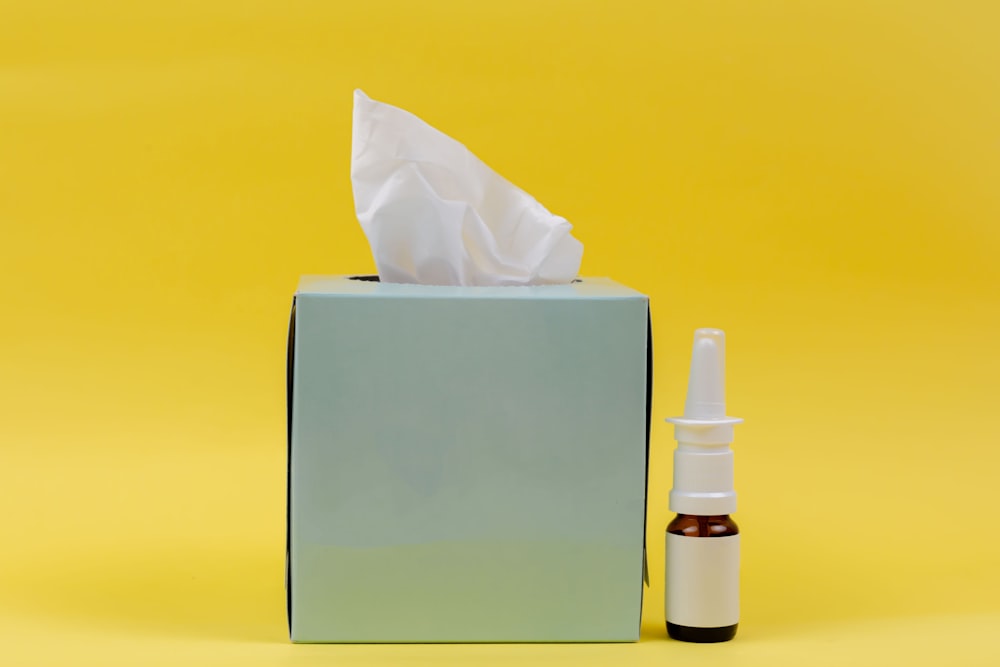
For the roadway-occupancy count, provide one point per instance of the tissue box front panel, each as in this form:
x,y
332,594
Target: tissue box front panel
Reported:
x,y
467,464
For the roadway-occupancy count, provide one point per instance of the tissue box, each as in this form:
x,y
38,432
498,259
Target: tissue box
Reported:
x,y
466,464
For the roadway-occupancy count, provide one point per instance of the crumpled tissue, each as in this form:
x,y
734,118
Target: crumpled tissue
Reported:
x,y
435,214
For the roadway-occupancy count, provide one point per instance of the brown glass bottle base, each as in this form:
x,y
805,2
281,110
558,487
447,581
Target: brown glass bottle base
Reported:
x,y
686,633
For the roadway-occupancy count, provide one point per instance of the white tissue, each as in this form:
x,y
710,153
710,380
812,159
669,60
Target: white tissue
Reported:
x,y
435,214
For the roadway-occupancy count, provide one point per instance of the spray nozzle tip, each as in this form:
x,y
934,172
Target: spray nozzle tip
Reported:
x,y
706,397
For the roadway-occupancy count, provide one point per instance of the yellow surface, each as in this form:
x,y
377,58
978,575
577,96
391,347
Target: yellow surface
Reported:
x,y
821,179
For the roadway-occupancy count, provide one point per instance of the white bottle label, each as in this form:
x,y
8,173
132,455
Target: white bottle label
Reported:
x,y
703,581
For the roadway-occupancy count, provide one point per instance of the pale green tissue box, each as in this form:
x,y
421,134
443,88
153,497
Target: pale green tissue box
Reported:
x,y
466,464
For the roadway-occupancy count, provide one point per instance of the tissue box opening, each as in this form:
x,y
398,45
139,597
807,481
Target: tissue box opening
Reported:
x,y
466,464
376,279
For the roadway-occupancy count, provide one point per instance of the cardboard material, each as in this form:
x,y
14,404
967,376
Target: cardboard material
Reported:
x,y
466,464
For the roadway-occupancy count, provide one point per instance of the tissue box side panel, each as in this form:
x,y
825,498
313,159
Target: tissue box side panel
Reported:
x,y
649,423
467,469
289,385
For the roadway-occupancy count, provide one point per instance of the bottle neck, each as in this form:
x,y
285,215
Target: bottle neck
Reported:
x,y
692,525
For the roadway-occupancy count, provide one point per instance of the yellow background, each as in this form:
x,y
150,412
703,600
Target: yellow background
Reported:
x,y
821,179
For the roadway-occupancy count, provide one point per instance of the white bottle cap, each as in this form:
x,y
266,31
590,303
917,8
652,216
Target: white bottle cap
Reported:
x,y
703,461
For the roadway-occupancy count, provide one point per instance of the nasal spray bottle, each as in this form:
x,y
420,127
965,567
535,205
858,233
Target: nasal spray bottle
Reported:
x,y
703,543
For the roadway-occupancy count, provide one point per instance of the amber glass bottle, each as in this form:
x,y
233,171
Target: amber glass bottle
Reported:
x,y
696,527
